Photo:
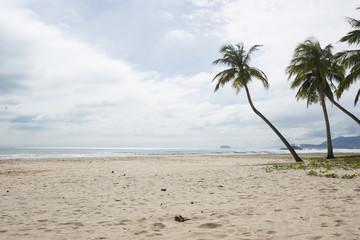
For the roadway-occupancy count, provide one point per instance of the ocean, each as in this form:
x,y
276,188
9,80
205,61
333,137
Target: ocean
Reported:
x,y
77,152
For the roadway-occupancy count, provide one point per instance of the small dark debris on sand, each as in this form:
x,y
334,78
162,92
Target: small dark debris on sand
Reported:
x,y
180,218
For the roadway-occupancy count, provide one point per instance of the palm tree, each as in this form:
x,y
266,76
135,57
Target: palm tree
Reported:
x,y
350,59
311,68
240,74
336,73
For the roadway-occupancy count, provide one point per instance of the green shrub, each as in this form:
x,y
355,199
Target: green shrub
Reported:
x,y
324,165
331,175
312,173
346,176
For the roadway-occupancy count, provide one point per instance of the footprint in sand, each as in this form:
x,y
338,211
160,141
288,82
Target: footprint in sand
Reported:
x,y
122,222
339,222
141,232
158,226
209,225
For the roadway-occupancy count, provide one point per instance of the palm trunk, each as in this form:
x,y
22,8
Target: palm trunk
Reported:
x,y
289,147
330,153
344,110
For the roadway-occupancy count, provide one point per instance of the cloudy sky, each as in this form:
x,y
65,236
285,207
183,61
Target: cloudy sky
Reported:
x,y
121,73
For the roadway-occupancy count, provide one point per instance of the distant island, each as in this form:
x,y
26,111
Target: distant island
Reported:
x,y
340,142
224,147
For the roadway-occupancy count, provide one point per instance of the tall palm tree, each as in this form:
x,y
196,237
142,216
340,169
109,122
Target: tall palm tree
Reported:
x,y
350,58
310,66
240,74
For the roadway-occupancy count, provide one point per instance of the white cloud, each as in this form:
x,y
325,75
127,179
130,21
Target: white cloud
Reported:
x,y
204,3
168,16
73,89
61,90
179,35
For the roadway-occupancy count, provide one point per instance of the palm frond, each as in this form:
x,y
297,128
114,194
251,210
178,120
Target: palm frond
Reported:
x,y
351,77
236,84
224,77
257,73
348,58
308,91
353,22
239,73
313,70
352,37
252,49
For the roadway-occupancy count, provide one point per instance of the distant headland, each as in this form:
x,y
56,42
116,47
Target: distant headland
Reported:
x,y
339,142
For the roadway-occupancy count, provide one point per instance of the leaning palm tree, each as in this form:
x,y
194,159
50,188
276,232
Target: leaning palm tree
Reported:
x,y
310,67
350,59
240,74
336,73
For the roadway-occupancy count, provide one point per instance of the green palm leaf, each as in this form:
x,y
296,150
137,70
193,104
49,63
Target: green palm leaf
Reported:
x,y
240,73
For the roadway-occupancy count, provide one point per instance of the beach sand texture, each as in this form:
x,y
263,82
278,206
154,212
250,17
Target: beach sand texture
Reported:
x,y
224,197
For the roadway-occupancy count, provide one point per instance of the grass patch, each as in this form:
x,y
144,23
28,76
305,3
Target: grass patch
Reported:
x,y
324,165
312,173
331,175
345,176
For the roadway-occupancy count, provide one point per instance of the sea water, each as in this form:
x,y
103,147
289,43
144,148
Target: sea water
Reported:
x,y
74,152
77,152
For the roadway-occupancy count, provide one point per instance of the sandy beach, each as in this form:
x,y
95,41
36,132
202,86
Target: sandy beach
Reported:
x,y
223,197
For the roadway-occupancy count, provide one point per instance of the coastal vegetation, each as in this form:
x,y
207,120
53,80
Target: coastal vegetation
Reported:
x,y
323,167
314,71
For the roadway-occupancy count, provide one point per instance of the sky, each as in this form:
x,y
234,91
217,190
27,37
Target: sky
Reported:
x,y
121,73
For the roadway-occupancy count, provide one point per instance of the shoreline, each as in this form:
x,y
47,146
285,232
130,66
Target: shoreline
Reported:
x,y
56,152
224,197
249,155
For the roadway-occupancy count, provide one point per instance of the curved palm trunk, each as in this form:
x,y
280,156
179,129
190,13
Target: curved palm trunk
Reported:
x,y
344,110
289,147
330,153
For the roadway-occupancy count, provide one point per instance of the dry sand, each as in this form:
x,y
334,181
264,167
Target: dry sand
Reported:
x,y
225,197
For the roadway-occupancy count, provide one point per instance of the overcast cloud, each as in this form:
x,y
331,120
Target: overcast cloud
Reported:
x,y
138,73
